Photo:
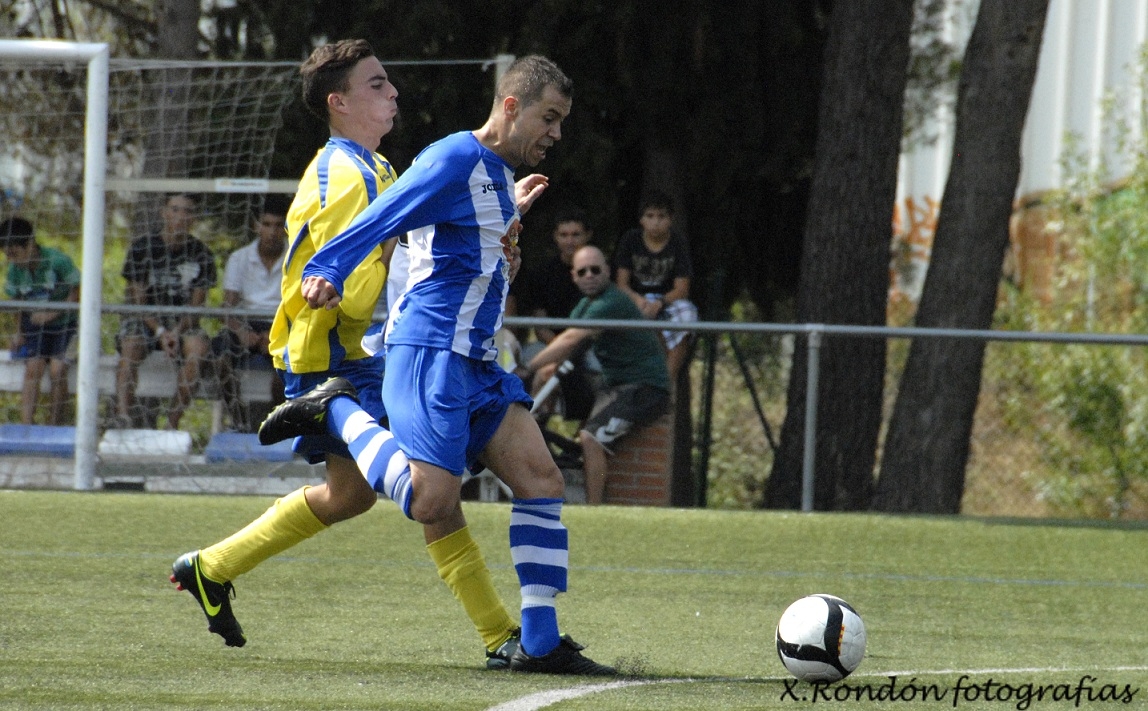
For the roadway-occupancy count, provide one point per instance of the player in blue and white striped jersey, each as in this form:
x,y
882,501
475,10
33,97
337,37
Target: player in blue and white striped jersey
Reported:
x,y
450,404
458,203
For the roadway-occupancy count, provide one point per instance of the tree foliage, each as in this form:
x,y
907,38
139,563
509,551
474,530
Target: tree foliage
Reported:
x,y
715,102
934,67
1086,406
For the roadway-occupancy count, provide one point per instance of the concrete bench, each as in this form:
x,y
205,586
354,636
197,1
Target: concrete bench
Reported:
x,y
143,446
156,378
139,446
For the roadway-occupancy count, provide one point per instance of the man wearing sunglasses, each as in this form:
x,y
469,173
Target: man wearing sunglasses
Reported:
x,y
549,292
635,380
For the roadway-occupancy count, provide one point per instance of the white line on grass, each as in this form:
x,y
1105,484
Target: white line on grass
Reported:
x,y
542,699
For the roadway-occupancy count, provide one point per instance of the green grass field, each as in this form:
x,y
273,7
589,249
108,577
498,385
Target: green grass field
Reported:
x,y
356,618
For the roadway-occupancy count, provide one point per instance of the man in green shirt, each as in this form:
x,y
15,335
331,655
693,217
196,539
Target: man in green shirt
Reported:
x,y
635,379
38,273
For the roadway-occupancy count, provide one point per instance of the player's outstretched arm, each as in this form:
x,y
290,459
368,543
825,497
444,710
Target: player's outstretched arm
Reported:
x,y
319,293
527,190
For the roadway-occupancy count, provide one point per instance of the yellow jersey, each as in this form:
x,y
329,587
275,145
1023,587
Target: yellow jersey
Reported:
x,y
340,182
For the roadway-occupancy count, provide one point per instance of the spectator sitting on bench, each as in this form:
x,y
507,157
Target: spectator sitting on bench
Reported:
x,y
652,266
38,273
635,379
167,268
251,280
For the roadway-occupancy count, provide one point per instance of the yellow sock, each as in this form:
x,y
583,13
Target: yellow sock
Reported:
x,y
288,522
461,566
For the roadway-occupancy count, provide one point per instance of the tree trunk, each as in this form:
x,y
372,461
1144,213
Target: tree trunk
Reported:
x,y
927,448
177,28
177,37
845,258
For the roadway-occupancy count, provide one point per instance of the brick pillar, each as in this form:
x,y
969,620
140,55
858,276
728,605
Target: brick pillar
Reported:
x,y
642,466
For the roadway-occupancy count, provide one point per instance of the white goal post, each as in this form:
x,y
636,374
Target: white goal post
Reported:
x,y
95,56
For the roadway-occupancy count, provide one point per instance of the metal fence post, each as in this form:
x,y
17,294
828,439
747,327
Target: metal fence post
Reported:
x,y
809,455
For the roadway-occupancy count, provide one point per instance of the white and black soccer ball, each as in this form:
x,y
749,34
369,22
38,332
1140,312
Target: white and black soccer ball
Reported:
x,y
820,638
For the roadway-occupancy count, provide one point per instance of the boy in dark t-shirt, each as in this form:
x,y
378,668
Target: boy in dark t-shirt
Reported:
x,y
170,268
652,266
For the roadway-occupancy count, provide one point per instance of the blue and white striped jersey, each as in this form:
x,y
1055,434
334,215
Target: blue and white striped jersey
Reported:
x,y
457,201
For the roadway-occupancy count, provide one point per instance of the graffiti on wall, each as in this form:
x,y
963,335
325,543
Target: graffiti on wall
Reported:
x,y
1030,261
914,226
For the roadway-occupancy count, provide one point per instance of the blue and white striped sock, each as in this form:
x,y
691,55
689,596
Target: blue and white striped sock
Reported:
x,y
375,451
539,548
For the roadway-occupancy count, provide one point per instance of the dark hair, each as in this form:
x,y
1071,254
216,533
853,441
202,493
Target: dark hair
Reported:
x,y
657,200
15,231
187,196
274,204
327,69
572,213
527,77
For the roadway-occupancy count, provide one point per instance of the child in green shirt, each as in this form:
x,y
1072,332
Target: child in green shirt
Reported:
x,y
38,273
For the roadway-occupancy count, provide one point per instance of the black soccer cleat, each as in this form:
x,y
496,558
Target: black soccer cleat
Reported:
x,y
213,598
566,658
500,658
306,414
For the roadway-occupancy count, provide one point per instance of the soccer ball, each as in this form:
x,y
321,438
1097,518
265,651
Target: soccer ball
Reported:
x,y
820,638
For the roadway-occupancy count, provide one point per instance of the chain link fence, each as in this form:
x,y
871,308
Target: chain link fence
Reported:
x,y
1061,428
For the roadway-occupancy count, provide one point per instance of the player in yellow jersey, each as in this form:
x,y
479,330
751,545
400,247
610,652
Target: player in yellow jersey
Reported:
x,y
346,84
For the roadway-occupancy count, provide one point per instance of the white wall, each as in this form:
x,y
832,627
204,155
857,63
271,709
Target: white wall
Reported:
x,y
1090,50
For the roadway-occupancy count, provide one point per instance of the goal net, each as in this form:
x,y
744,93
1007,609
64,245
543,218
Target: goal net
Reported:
x,y
207,129
202,128
172,127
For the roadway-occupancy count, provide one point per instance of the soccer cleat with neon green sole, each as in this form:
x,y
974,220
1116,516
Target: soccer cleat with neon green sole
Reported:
x,y
500,657
214,598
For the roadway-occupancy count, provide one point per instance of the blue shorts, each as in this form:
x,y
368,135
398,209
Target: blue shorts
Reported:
x,y
445,407
48,341
366,374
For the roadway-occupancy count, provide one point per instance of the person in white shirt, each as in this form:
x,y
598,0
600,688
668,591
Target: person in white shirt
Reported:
x,y
251,280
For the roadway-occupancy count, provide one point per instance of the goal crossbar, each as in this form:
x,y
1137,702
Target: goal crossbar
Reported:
x,y
202,185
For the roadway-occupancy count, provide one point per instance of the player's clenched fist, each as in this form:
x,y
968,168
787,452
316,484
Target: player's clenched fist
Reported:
x,y
319,293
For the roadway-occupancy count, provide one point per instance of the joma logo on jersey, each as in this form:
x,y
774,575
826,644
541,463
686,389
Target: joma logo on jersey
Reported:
x,y
493,188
